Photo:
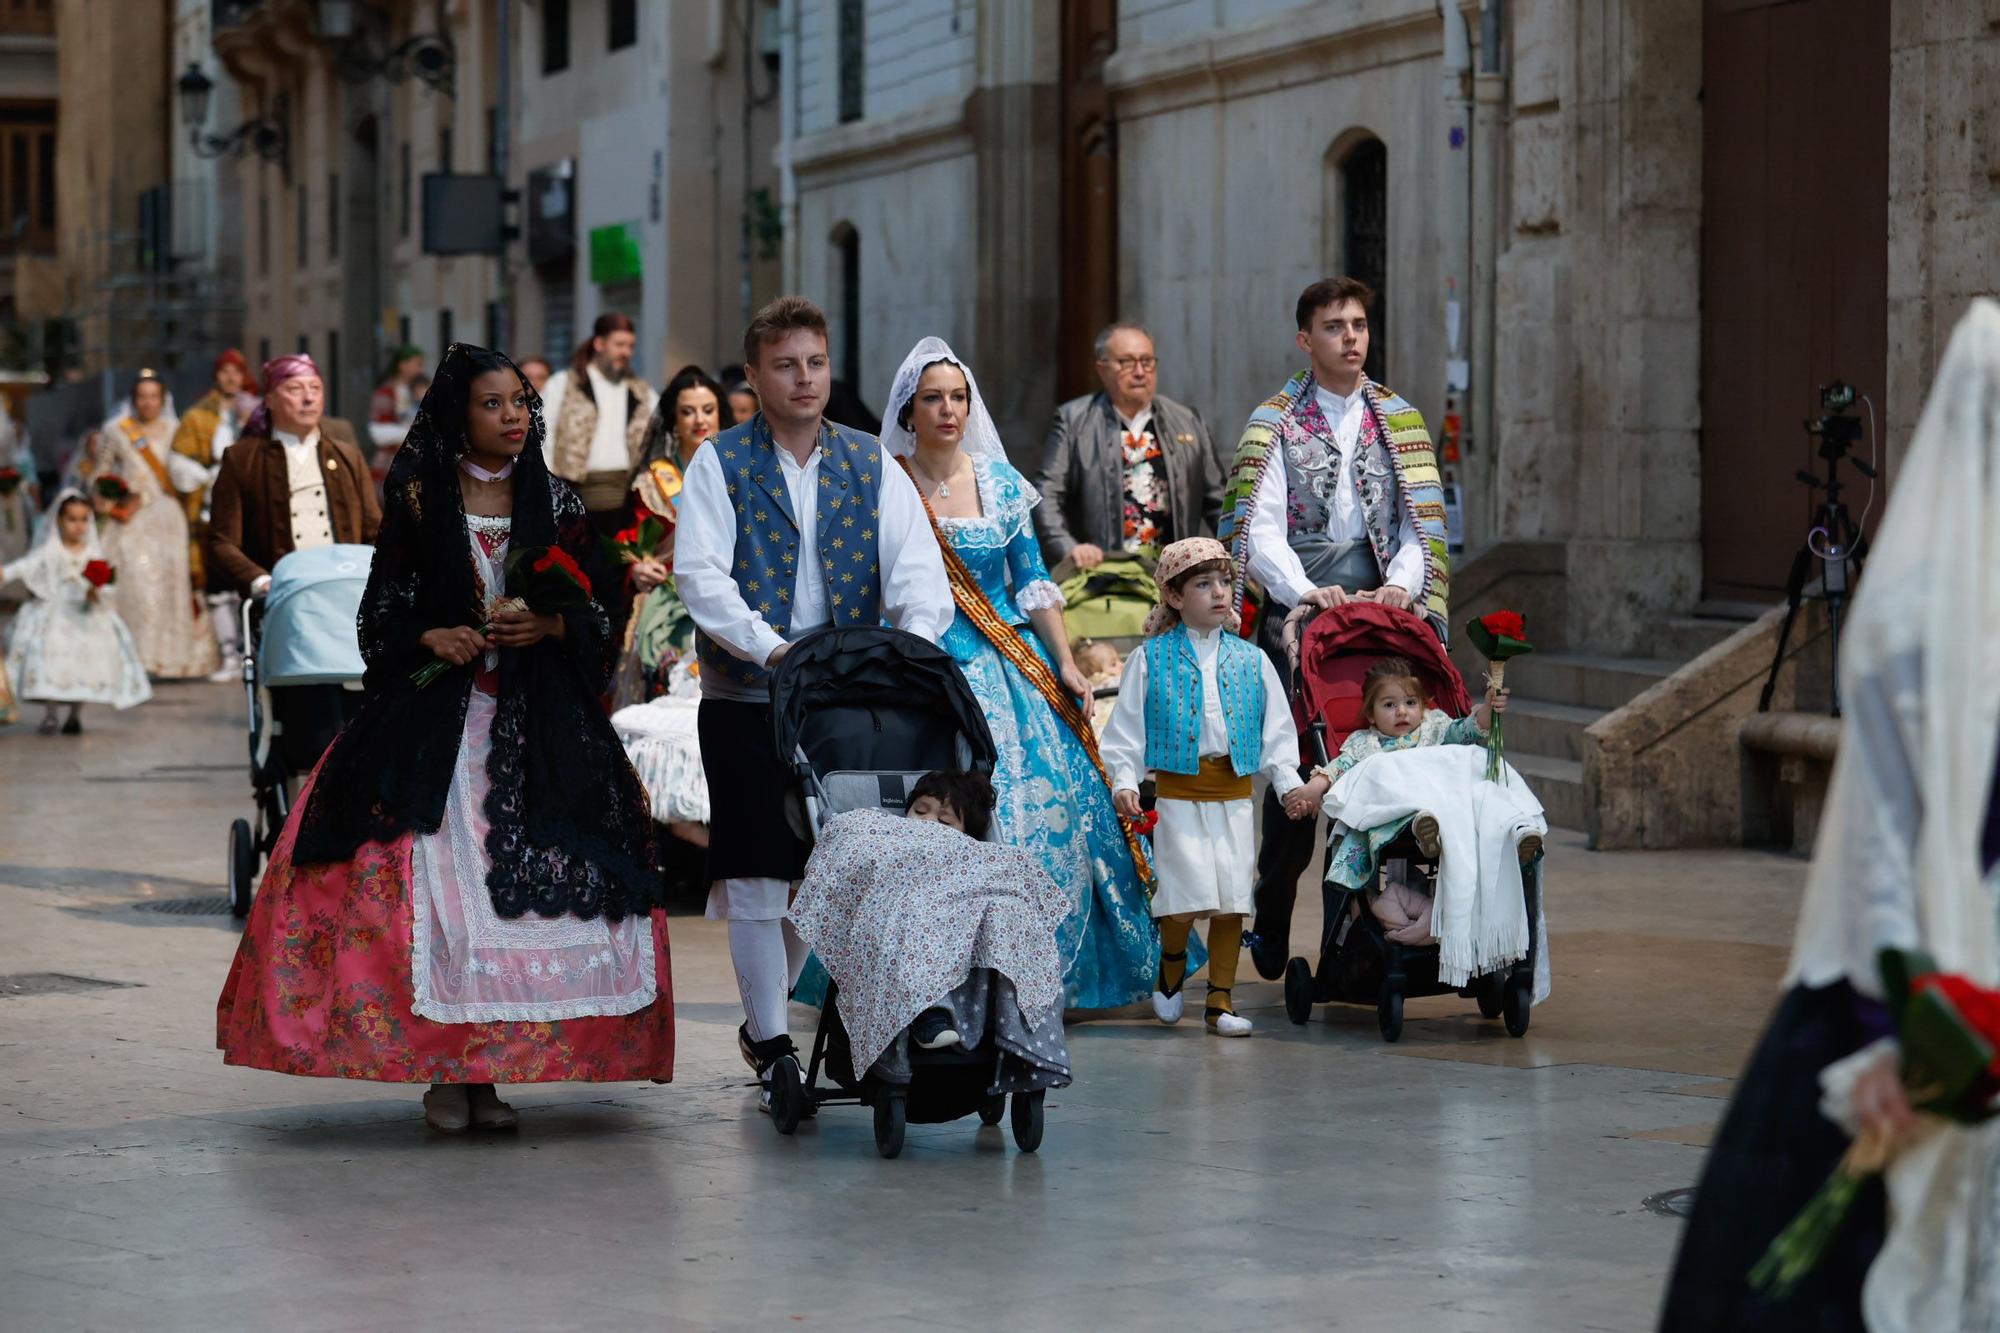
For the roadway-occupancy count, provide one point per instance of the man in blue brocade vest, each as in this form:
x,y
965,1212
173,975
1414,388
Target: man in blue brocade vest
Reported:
x,y
788,523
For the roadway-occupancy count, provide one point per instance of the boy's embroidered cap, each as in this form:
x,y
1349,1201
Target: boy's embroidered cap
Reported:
x,y
1175,561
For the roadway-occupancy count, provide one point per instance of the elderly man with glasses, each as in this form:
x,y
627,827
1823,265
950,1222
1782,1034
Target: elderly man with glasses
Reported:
x,y
1125,469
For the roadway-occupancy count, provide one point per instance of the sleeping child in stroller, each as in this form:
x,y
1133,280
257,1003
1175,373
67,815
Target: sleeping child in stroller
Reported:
x,y
1397,773
936,938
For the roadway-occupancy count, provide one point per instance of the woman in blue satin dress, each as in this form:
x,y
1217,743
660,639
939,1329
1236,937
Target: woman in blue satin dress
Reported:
x,y
1053,797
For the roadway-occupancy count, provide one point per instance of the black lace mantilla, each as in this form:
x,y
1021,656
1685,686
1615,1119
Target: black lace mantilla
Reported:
x,y
572,831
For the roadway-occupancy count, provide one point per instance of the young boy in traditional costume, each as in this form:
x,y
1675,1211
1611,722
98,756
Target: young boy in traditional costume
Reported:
x,y
1204,711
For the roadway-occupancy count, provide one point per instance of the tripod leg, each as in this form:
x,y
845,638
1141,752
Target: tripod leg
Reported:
x,y
1795,588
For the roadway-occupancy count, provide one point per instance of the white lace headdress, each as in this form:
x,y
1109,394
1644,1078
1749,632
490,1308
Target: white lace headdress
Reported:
x,y
982,437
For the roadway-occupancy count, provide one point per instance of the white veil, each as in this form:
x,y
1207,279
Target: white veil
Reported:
x,y
42,568
1917,670
1898,857
982,438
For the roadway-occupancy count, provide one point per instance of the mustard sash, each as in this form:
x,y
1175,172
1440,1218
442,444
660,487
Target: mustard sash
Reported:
x,y
1217,781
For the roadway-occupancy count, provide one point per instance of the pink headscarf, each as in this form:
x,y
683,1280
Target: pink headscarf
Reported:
x,y
277,370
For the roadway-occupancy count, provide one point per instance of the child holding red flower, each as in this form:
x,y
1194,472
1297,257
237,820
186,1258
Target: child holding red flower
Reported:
x,y
69,645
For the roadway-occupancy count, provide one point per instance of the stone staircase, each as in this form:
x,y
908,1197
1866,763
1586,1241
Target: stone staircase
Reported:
x,y
1556,696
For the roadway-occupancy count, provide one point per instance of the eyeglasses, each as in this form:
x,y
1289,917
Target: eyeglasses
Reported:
x,y
1124,364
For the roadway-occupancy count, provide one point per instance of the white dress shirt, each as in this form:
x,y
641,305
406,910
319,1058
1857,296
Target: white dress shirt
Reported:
x,y
1273,563
311,524
1123,744
916,596
608,451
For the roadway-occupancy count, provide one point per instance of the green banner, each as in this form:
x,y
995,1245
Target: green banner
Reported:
x,y
614,254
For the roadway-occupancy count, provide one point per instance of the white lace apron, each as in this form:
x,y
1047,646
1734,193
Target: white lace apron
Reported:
x,y
470,965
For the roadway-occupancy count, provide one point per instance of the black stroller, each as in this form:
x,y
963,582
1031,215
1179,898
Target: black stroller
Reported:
x,y
865,713
302,678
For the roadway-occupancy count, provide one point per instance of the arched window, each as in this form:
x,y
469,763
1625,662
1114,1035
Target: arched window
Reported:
x,y
847,272
1358,220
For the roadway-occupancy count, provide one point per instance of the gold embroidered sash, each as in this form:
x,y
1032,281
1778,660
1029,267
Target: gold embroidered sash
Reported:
x,y
1009,644
135,435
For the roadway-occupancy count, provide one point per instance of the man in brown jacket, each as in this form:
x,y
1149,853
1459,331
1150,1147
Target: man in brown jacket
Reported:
x,y
293,480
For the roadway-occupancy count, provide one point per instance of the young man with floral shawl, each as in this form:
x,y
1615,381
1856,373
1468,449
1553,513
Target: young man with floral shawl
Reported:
x,y
1334,496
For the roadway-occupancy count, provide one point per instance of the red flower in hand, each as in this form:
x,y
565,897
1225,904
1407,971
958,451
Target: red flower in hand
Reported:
x,y
1505,624
1146,822
557,558
628,537
1979,1007
99,572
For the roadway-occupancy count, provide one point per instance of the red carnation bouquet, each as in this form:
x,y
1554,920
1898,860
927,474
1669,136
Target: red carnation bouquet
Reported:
x,y
1948,1030
112,487
1499,636
542,579
638,542
100,574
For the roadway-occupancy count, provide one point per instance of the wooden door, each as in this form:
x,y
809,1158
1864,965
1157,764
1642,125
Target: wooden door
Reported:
x,y
1089,297
1794,262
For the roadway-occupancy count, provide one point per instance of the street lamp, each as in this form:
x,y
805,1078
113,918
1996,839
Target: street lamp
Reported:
x,y
268,135
427,56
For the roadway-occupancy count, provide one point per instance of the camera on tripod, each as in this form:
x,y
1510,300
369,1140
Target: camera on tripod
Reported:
x,y
1837,432
1835,544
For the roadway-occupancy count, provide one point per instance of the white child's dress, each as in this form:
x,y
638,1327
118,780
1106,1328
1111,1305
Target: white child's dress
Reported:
x,y
64,647
1204,852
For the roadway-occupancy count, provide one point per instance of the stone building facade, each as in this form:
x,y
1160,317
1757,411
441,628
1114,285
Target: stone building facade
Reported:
x,y
922,189
658,138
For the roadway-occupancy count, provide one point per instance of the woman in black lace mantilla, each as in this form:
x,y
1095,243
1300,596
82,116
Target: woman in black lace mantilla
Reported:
x,y
486,825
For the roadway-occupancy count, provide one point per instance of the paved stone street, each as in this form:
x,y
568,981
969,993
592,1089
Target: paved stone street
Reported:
x,y
1309,1177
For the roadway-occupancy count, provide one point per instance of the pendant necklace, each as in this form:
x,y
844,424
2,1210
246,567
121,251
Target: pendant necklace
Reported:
x,y
943,488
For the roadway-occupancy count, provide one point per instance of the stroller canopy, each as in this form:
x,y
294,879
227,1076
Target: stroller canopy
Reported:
x,y
1343,642
875,699
309,633
1110,601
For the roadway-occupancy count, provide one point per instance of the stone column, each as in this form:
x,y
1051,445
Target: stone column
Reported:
x,y
1015,120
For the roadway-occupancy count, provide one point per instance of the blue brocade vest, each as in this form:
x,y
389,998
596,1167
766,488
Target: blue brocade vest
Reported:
x,y
1174,703
767,534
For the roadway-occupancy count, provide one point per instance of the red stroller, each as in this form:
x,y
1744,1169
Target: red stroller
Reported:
x,y
1358,962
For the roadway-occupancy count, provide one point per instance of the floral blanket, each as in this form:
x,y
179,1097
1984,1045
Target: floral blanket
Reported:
x,y
900,911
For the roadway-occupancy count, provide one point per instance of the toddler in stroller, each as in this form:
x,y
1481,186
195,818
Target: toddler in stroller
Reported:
x,y
912,916
1434,884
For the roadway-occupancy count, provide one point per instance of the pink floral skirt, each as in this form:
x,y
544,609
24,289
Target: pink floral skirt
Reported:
x,y
322,986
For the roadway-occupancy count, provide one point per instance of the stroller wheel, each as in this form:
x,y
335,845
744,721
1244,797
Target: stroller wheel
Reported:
x,y
1389,1014
1492,994
1298,990
1520,1002
993,1108
788,1094
890,1115
242,867
1028,1120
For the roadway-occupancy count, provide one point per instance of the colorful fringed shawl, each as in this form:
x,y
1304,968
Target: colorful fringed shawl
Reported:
x,y
1007,641
1419,483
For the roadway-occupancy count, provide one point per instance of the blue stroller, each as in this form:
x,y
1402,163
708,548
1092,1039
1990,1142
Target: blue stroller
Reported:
x,y
302,681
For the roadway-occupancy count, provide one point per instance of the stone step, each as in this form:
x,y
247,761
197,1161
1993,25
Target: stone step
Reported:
x,y
1691,636
1538,727
1583,681
1557,784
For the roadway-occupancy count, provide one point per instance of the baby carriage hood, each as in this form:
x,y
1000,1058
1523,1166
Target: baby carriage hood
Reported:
x,y
1111,601
1340,645
309,614
874,699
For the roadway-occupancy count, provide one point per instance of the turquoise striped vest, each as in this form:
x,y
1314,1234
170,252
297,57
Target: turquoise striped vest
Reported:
x,y
767,534
1173,702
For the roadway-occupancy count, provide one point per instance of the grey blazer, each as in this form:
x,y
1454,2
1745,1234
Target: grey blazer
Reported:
x,y
1083,484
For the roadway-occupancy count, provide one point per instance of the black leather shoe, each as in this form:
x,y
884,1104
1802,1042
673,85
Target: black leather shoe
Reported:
x,y
1270,950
